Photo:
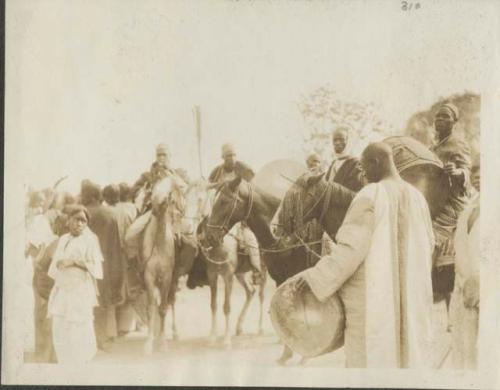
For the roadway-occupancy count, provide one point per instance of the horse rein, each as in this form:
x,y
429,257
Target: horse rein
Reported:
x,y
328,191
225,226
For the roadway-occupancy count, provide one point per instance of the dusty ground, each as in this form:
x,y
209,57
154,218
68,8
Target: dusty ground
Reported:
x,y
193,322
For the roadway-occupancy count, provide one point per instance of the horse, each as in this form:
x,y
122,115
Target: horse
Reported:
x,y
225,260
239,201
415,163
158,256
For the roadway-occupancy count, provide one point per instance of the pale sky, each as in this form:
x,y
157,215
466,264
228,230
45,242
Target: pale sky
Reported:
x,y
93,85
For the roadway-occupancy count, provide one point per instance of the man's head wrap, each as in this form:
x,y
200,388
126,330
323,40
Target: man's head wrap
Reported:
x,y
453,110
341,129
90,191
228,149
162,149
313,157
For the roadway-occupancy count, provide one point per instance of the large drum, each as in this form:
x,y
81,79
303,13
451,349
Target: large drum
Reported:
x,y
306,325
276,177
419,166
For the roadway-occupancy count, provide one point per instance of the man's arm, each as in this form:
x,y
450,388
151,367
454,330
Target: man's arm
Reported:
x,y
140,183
244,171
353,243
462,160
358,177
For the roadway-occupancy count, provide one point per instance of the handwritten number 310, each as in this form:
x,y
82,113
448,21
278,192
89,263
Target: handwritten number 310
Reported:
x,y
406,6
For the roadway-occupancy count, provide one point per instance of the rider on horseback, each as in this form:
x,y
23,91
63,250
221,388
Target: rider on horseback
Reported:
x,y
229,170
159,170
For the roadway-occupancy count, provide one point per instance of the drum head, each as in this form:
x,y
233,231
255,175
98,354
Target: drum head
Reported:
x,y
309,327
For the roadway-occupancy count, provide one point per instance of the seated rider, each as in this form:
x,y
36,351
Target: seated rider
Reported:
x,y
229,170
160,169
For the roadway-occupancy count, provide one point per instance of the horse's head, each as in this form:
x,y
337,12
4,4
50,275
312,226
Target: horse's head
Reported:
x,y
168,194
231,205
302,202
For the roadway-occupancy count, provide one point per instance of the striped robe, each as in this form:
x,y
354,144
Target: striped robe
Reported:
x,y
381,269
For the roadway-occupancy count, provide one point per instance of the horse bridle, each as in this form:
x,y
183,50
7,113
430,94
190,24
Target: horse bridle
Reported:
x,y
327,196
225,226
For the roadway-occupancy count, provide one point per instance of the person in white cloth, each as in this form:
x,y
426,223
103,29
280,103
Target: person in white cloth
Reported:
x,y
76,265
380,266
464,305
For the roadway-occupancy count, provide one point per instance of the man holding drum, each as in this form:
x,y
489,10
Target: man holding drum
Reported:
x,y
380,267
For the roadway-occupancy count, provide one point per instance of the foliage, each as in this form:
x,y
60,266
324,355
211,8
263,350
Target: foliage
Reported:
x,y
323,111
421,124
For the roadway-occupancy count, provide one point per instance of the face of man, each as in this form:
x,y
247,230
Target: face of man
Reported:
x,y
313,163
339,141
443,122
229,160
162,158
475,178
77,223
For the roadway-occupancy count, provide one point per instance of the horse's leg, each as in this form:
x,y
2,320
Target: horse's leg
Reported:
x,y
152,309
262,286
228,289
212,281
249,292
165,291
175,335
173,292
285,355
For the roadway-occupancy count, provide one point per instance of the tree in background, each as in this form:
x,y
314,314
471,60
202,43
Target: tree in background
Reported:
x,y
421,124
323,111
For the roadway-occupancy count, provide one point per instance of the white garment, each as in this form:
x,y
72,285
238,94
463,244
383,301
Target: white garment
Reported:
x,y
465,320
74,297
39,232
249,242
74,342
382,263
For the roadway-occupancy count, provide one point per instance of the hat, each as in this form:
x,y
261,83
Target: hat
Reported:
x,y
162,149
452,108
228,149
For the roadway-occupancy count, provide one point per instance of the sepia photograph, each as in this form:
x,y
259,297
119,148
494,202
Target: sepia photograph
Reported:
x,y
252,193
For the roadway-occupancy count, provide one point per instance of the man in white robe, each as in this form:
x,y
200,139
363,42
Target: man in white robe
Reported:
x,y
464,305
381,268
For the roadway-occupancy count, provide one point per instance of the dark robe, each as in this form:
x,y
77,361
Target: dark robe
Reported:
x,y
349,175
42,284
451,149
104,224
240,170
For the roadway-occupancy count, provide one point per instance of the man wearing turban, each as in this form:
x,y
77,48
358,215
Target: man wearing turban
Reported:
x,y
229,170
159,169
345,169
455,156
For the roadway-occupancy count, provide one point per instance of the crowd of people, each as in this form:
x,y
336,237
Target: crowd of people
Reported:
x,y
78,245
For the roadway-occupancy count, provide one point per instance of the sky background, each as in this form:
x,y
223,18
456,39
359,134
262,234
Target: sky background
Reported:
x,y
93,85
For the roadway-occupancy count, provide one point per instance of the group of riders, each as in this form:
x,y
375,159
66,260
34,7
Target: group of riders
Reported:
x,y
52,215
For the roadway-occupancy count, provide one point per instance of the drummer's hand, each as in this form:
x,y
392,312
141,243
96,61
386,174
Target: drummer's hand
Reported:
x,y
299,282
451,169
